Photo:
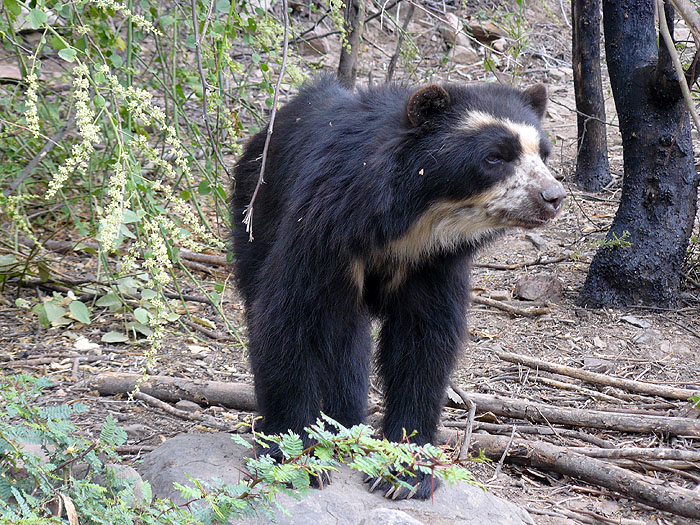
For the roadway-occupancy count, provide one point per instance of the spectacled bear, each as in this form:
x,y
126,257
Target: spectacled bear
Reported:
x,y
372,206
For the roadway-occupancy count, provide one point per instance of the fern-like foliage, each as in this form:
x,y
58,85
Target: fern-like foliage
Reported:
x,y
40,446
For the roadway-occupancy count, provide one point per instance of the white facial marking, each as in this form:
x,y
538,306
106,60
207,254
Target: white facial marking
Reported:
x,y
447,224
514,196
528,135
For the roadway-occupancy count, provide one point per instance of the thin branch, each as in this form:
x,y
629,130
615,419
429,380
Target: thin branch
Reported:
x,y
690,15
205,85
27,171
464,450
663,28
248,215
399,44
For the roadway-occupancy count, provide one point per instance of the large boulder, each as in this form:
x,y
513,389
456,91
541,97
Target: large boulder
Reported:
x,y
345,501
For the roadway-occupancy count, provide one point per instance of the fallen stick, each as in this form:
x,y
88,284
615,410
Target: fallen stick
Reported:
x,y
576,417
575,388
676,454
513,310
162,405
241,396
516,266
496,428
69,246
629,385
546,456
233,395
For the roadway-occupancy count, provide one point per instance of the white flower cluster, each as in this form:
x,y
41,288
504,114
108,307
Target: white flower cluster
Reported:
x,y
187,215
158,265
139,103
32,112
78,160
111,221
138,20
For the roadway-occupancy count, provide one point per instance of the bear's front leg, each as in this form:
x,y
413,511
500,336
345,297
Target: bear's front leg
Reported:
x,y
422,334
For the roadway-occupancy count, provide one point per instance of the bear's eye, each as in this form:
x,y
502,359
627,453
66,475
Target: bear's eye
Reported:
x,y
493,160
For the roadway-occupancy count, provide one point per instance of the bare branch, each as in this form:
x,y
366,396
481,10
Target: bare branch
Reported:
x,y
668,40
248,215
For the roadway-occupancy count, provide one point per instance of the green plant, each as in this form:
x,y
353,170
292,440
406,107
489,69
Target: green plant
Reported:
x,y
42,453
133,159
613,242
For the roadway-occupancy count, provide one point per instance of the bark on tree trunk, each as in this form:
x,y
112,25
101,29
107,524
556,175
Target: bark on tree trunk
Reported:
x,y
659,192
347,67
592,169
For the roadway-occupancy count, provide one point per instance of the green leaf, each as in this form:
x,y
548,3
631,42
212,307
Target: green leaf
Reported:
x,y
114,337
68,54
140,328
98,100
41,312
147,294
166,20
142,315
111,435
116,60
13,7
223,6
53,311
130,216
204,188
36,18
79,312
111,299
56,43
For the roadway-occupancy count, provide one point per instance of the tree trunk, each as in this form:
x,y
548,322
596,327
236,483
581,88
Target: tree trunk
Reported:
x,y
347,67
592,169
659,191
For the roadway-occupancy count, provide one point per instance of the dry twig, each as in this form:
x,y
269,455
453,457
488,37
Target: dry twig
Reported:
x,y
513,310
629,385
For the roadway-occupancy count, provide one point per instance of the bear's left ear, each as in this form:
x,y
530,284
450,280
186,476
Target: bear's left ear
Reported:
x,y
426,103
536,98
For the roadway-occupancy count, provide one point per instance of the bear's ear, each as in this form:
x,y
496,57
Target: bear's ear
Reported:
x,y
536,98
425,103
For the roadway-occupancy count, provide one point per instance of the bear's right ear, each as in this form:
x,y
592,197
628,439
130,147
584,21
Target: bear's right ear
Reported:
x,y
425,103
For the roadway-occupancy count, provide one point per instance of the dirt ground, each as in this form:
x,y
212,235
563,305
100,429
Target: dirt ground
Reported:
x,y
664,352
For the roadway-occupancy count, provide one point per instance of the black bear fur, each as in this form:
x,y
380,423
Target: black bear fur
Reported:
x,y
336,243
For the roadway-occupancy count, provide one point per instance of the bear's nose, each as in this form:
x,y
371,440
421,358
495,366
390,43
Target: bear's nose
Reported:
x,y
552,197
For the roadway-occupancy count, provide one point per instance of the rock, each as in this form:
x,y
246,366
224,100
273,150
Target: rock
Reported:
x,y
463,55
537,241
500,45
450,28
136,430
599,343
187,406
141,496
648,337
596,364
313,47
345,501
388,517
500,295
634,321
539,288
